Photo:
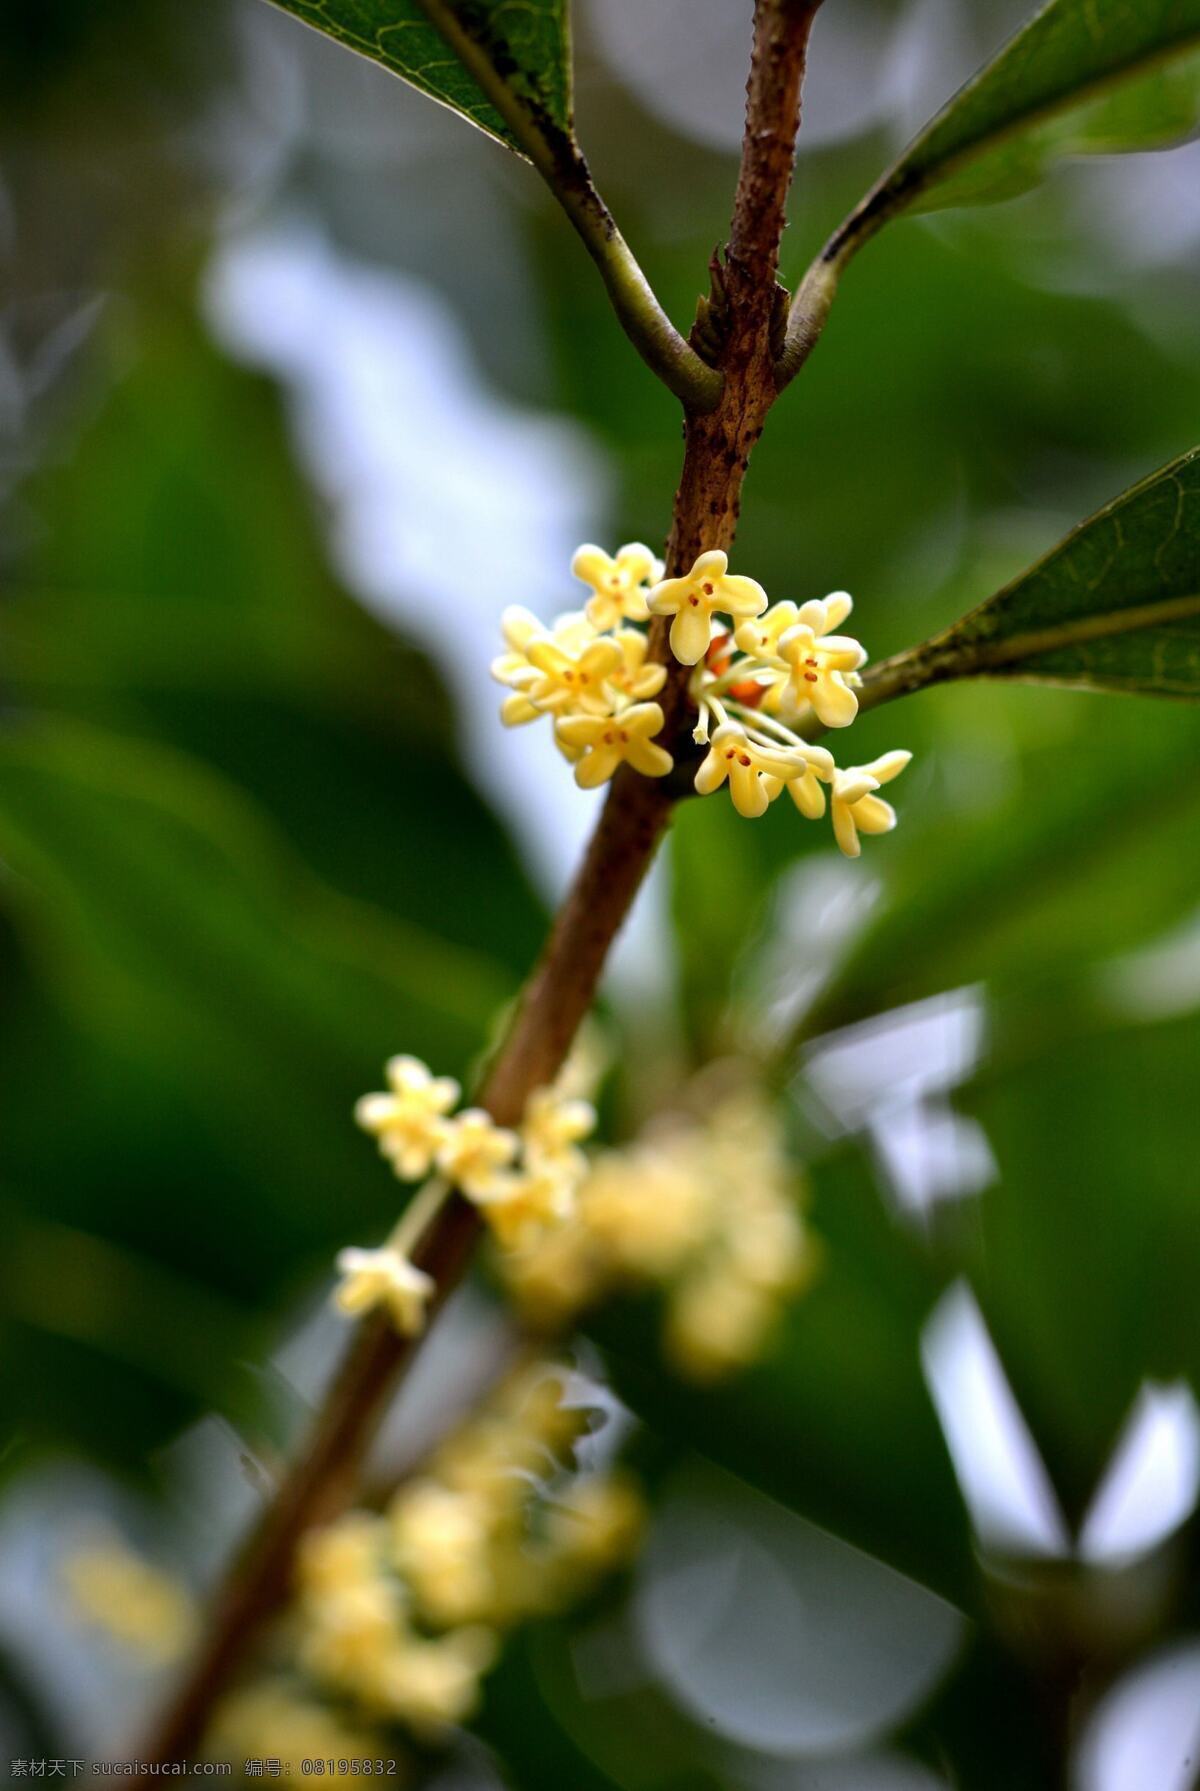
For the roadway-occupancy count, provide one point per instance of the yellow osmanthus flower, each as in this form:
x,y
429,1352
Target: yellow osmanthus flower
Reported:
x,y
349,1630
807,791
401,1614
647,1207
384,1277
717,1323
708,589
618,584
755,771
348,1551
142,1608
605,743
759,638
816,663
518,1204
573,681
433,1684
817,672
520,627
856,808
556,1274
571,635
553,1126
409,1122
476,1152
441,1546
635,678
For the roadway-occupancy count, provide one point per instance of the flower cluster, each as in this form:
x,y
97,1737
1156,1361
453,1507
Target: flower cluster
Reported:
x,y
590,671
703,1207
781,671
762,678
521,1181
400,1612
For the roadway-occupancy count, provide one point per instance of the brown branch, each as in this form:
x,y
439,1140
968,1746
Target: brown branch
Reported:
x,y
563,984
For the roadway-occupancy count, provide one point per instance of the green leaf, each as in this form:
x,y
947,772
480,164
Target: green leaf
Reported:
x,y
219,907
176,584
155,893
1093,847
1082,77
1087,1253
1116,606
525,44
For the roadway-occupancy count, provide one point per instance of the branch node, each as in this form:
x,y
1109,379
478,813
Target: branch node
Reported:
x,y
710,331
779,320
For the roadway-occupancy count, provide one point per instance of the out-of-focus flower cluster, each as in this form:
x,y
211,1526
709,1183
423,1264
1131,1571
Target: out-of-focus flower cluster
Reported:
x,y
704,1208
281,1720
521,1181
762,679
399,1613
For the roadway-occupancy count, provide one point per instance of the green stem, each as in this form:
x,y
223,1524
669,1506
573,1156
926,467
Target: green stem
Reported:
x,y
557,158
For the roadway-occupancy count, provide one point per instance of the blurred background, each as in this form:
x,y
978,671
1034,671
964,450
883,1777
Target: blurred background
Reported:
x,y
302,381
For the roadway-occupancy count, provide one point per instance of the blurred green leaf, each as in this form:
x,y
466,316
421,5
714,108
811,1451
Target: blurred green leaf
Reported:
x,y
176,585
241,867
1088,1257
1082,77
1091,847
191,991
174,922
1115,606
531,1731
527,45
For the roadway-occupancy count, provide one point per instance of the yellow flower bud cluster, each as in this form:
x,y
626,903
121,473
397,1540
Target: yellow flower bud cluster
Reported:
x,y
774,671
522,1181
703,1207
144,1610
400,1613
